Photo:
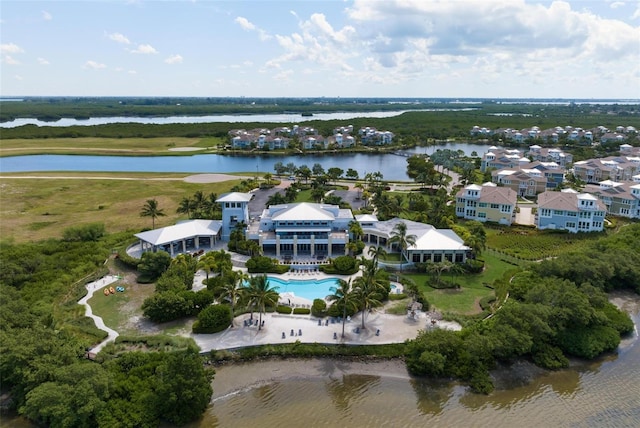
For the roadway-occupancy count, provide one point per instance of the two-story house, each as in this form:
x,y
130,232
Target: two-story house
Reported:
x,y
525,182
487,203
620,198
502,158
571,211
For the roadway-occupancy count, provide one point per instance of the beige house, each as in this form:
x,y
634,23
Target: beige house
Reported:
x,y
487,203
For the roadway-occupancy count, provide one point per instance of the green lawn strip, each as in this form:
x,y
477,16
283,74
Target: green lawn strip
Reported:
x,y
109,307
464,300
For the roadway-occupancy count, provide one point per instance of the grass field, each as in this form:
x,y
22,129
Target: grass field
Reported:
x,y
35,209
465,300
108,146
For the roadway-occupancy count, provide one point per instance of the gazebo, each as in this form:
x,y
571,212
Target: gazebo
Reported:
x,y
182,237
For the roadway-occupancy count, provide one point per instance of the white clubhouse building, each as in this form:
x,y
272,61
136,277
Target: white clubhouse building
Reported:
x,y
301,230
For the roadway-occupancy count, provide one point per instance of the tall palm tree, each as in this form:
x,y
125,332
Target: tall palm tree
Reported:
x,y
262,295
344,297
369,289
151,209
376,253
400,237
234,291
207,263
185,206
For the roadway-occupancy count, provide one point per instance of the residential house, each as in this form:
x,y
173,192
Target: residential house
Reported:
x,y
525,181
487,203
571,211
371,136
537,153
620,198
616,168
502,158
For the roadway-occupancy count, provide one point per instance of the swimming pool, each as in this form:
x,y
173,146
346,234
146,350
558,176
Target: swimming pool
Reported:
x,y
307,289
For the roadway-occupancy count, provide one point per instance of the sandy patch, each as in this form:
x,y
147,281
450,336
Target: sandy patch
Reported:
x,y
186,149
212,178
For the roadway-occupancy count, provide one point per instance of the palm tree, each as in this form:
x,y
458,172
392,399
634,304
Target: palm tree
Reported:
x,y
267,177
436,269
262,295
234,290
369,288
376,253
399,236
185,206
343,297
151,209
207,263
276,199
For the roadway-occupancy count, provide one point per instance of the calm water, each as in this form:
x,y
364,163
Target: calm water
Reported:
x,y
393,167
290,118
601,394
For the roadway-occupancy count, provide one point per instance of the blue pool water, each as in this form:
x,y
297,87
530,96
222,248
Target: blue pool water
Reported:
x,y
308,289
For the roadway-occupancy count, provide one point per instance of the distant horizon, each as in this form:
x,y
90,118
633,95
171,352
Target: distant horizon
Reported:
x,y
404,99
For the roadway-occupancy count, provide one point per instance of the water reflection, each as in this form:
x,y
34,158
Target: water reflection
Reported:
x,y
351,388
431,395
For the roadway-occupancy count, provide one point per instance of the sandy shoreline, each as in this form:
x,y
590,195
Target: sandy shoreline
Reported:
x,y
238,377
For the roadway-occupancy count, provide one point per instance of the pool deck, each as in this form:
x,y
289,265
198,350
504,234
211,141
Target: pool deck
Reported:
x,y
279,328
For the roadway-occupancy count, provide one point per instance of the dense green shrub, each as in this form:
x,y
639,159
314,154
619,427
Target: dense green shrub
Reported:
x,y
213,319
397,296
341,265
589,342
165,306
152,265
319,308
473,266
264,264
281,309
301,311
84,233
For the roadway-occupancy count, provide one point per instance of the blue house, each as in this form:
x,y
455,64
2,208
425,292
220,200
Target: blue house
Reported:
x,y
571,211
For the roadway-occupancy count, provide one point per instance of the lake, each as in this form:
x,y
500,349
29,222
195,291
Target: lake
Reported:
x,y
393,167
287,118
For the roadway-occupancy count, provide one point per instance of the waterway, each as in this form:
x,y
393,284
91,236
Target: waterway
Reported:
x,y
329,393
288,118
393,167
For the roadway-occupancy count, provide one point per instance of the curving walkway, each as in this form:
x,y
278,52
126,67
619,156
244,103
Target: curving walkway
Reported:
x,y
92,287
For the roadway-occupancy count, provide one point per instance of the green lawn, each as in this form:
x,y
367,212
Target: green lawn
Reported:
x,y
109,308
464,301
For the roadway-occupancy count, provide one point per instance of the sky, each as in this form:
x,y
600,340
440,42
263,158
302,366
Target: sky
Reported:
x,y
568,49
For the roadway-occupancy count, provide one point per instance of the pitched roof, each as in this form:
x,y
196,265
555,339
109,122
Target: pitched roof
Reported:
x,y
235,197
439,239
183,230
302,211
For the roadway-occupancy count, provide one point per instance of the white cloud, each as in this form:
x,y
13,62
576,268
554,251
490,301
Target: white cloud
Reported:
x,y
10,48
94,65
18,77
120,38
174,59
9,60
132,72
246,25
636,14
144,49
46,16
616,4
43,61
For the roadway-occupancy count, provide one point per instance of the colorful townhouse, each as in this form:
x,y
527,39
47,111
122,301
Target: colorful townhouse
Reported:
x,y
615,168
487,203
502,158
621,199
570,211
525,182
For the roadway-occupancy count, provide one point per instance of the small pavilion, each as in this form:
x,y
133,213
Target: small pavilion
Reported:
x,y
185,236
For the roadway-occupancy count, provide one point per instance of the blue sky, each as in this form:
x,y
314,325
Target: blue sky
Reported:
x,y
354,48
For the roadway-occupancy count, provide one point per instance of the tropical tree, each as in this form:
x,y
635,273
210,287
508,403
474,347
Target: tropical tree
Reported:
x,y
233,291
185,206
369,288
400,237
291,193
344,297
376,253
267,177
151,209
352,174
436,269
261,295
207,263
317,194
317,169
276,199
